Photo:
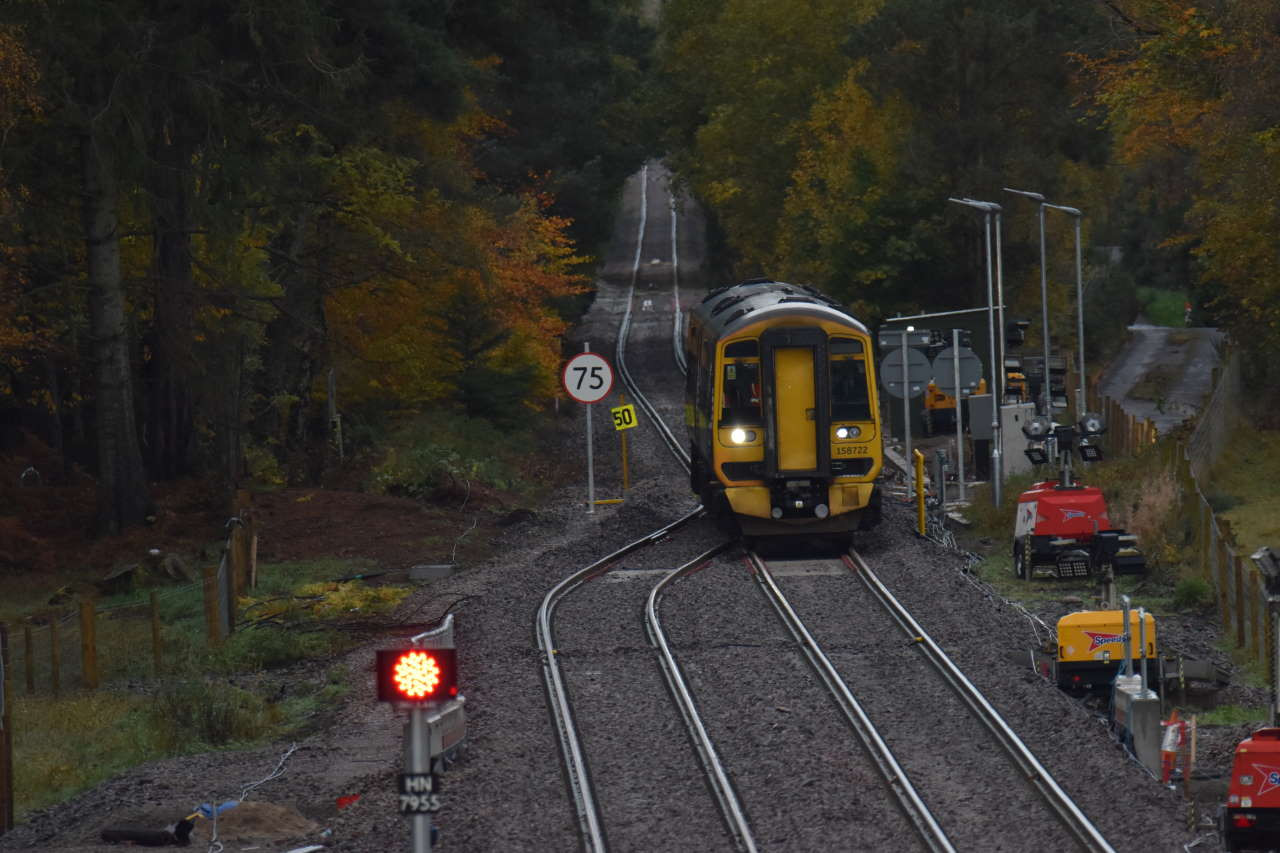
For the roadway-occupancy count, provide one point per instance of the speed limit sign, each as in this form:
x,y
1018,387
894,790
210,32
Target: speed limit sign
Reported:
x,y
588,378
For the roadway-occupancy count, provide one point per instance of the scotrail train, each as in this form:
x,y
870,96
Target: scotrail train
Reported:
x,y
782,411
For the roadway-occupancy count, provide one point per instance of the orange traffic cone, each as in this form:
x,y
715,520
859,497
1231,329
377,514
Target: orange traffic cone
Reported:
x,y
1169,746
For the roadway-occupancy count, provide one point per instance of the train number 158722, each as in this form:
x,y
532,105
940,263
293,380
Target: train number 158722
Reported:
x,y
852,450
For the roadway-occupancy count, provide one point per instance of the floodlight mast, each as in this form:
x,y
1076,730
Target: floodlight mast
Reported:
x,y
1044,301
997,385
1081,393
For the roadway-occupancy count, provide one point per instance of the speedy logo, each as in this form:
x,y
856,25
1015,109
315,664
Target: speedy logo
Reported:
x,y
1068,514
1096,639
1270,778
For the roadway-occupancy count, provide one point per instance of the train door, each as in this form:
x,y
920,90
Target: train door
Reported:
x,y
795,391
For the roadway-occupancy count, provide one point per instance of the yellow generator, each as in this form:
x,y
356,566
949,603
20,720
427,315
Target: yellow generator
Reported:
x,y
940,408
1091,650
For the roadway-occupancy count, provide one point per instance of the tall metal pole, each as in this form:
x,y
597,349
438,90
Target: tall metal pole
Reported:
x,y
955,366
1080,389
1044,316
1044,301
906,400
996,386
991,341
1082,396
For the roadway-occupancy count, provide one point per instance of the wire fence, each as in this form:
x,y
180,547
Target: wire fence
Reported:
x,y
84,644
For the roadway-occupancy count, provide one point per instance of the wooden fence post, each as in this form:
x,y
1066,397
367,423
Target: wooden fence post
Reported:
x,y
212,622
1240,613
88,645
28,657
156,650
55,655
6,733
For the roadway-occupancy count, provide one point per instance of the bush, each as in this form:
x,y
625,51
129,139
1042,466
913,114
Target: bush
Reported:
x,y
441,453
209,712
1192,594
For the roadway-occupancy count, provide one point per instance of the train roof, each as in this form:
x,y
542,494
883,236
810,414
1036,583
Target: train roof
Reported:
x,y
729,309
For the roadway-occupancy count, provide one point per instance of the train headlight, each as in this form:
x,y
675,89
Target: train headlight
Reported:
x,y
742,436
844,432
821,511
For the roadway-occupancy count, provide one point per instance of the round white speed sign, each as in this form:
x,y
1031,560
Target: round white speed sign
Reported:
x,y
588,378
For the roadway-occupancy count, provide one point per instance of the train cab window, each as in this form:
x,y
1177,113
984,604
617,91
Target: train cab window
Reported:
x,y
741,405
850,400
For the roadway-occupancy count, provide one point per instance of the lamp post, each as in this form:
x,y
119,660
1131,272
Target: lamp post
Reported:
x,y
1080,391
1047,410
990,208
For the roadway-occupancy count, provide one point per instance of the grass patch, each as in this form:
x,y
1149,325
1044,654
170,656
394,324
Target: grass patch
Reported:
x,y
440,453
1192,594
64,745
1232,715
68,743
1163,307
1242,490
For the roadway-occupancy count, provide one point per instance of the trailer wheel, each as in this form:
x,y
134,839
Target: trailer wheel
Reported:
x,y
1019,561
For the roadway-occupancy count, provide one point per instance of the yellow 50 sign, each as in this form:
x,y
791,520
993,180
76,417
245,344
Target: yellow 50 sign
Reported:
x,y
624,417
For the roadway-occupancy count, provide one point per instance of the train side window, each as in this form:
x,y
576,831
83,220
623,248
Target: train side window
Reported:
x,y
741,394
850,399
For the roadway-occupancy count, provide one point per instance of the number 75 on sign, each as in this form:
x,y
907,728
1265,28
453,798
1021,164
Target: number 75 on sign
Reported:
x,y
624,416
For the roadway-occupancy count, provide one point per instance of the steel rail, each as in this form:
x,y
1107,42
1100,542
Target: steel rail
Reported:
x,y
557,694
620,350
908,799
677,326
1030,767
721,786
575,763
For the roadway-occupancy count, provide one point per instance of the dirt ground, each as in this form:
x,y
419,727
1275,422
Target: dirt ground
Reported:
x,y
47,541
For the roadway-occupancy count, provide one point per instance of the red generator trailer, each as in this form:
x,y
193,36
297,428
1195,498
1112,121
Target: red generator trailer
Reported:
x,y
1250,820
1062,529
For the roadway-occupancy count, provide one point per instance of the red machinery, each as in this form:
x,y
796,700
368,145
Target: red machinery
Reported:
x,y
1062,527
1250,820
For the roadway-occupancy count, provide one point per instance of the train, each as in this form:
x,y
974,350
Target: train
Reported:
x,y
782,412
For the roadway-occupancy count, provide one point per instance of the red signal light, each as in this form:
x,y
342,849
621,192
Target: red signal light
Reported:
x,y
417,675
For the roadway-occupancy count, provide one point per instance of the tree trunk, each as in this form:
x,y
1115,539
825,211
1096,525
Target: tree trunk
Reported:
x,y
294,348
169,392
122,484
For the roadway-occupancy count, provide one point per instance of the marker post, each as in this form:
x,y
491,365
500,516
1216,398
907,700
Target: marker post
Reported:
x,y
588,378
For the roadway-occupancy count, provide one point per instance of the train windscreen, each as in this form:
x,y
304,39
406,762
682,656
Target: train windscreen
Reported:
x,y
850,400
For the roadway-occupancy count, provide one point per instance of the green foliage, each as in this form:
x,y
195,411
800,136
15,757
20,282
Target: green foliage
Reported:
x,y
1192,594
1233,715
442,452
1163,307
196,713
64,745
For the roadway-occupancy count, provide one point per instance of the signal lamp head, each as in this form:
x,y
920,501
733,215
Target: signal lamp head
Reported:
x,y
417,675
1036,453
1092,424
1090,452
1037,426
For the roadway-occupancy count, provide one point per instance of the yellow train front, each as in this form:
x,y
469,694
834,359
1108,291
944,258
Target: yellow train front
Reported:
x,y
782,411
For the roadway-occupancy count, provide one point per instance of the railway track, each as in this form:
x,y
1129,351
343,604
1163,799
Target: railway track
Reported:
x,y
564,707
941,728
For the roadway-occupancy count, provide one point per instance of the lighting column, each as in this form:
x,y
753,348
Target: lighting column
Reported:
x,y
1080,390
990,208
1044,302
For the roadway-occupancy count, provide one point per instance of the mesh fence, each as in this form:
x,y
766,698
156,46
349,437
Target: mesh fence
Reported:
x,y
1217,419
128,639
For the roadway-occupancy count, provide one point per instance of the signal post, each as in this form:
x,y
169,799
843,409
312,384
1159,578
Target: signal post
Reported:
x,y
422,678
